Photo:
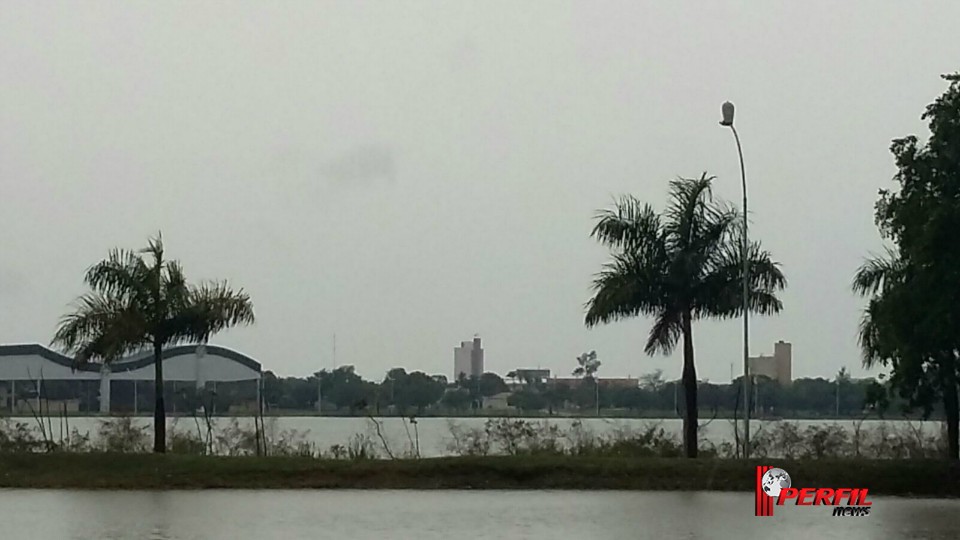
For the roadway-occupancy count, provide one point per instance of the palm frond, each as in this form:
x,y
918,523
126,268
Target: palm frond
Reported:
x,y
122,273
211,307
690,200
764,302
877,272
720,292
175,292
101,327
155,250
629,225
628,286
665,333
720,225
870,336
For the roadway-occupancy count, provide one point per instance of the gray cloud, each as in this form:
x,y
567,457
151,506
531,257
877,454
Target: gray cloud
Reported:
x,y
360,166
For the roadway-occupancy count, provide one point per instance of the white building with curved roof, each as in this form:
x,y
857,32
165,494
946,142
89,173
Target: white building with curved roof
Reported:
x,y
33,363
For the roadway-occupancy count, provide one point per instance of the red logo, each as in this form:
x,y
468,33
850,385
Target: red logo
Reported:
x,y
774,484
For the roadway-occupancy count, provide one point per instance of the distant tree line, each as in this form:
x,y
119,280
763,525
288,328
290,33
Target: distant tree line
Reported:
x,y
400,392
345,392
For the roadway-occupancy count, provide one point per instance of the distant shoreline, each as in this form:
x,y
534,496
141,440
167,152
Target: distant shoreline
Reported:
x,y
918,478
653,416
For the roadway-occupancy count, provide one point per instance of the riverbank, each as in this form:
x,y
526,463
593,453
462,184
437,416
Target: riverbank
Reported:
x,y
489,413
926,478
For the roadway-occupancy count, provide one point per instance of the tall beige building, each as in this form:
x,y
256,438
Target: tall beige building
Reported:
x,y
778,367
468,359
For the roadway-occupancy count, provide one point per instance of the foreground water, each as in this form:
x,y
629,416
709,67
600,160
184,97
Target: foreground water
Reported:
x,y
434,437
427,515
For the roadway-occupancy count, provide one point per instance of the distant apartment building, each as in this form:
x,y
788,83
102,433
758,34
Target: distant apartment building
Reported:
x,y
468,359
778,367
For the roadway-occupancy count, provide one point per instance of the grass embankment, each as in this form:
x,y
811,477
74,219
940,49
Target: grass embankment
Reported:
x,y
139,471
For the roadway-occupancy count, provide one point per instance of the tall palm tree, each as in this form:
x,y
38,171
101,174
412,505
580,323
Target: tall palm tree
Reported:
x,y
676,267
139,300
587,366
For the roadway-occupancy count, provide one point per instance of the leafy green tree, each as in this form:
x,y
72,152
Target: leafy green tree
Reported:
x,y
140,300
587,365
527,399
457,399
652,381
344,388
912,320
421,391
471,385
391,389
292,393
491,384
677,267
557,396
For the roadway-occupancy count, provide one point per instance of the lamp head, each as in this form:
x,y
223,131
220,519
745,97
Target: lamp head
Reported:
x,y
727,110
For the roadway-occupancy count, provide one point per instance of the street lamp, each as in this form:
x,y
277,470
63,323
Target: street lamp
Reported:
x,y
727,112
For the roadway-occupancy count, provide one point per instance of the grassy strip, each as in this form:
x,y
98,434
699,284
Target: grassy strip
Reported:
x,y
143,471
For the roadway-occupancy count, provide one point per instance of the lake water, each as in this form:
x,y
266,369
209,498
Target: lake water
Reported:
x,y
434,434
428,515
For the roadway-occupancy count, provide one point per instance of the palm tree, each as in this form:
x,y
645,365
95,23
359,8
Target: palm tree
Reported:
x,y
139,300
587,366
679,266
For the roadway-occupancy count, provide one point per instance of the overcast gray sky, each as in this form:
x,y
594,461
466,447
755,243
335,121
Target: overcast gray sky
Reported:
x,y
407,174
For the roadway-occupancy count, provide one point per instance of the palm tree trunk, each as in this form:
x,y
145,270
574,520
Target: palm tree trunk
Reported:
x,y
689,380
951,408
159,412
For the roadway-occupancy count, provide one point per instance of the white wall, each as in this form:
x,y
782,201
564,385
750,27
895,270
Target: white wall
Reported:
x,y
35,367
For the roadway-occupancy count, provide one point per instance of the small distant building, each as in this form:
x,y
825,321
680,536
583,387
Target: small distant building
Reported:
x,y
778,367
530,375
468,359
497,401
612,382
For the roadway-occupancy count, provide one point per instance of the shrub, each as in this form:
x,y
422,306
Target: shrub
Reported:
x,y
122,435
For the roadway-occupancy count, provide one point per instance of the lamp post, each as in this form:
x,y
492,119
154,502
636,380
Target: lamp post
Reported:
x,y
727,121
596,384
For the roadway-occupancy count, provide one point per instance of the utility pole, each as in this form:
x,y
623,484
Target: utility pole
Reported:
x,y
756,398
596,382
838,397
727,110
840,376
